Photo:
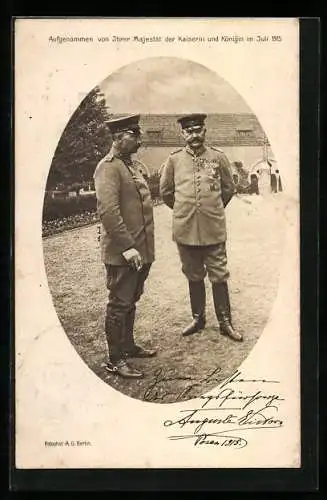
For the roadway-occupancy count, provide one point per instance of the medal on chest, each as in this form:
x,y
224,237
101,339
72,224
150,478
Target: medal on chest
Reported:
x,y
212,168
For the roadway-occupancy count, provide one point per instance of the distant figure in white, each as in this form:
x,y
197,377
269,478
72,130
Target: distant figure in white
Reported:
x,y
264,179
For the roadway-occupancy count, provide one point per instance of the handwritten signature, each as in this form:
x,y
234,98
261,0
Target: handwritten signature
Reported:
x,y
155,390
221,418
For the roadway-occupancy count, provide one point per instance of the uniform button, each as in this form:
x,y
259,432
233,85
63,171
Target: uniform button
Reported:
x,y
198,204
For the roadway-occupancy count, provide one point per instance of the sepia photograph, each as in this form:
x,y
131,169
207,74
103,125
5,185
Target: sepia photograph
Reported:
x,y
163,229
157,307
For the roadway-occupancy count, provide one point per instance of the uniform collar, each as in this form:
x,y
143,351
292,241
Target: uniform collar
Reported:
x,y
190,151
113,153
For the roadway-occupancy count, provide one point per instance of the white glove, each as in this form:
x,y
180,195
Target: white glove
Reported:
x,y
134,258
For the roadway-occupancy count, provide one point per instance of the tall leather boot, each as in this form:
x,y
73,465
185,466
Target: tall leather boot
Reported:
x,y
131,350
198,302
228,306
128,339
114,327
223,311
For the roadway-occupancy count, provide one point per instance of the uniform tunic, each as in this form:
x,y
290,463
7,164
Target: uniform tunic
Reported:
x,y
125,209
126,214
198,187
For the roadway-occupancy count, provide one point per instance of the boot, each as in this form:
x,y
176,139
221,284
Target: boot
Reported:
x,y
128,339
114,326
123,369
223,311
131,350
140,352
198,300
228,306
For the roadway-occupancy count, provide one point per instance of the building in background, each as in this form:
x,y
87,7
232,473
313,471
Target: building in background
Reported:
x,y
264,177
240,135
223,129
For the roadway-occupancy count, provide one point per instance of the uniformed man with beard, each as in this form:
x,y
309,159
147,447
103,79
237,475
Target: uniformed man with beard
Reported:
x,y
196,182
127,241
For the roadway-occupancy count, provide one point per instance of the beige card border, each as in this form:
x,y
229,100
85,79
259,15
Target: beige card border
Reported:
x,y
38,336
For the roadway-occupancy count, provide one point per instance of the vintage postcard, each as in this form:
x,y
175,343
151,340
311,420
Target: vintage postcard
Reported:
x,y
157,212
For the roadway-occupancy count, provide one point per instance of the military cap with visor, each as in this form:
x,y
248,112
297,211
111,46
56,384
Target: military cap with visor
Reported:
x,y
128,123
192,120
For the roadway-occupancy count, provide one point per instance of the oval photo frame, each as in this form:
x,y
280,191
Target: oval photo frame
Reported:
x,y
161,90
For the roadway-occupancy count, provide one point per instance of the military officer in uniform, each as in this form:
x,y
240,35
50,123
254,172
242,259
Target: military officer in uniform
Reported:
x,y
127,241
196,182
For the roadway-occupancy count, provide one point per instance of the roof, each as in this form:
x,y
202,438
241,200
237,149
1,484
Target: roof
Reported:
x,y
222,130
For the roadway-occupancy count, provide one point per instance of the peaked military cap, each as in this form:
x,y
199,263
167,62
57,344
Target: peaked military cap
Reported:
x,y
124,123
195,119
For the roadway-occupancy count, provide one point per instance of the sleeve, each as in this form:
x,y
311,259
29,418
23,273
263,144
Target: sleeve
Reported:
x,y
167,183
107,186
227,184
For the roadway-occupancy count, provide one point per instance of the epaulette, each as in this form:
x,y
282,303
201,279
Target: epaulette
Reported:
x,y
177,151
105,159
216,149
102,163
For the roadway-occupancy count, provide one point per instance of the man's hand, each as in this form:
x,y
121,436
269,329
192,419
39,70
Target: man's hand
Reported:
x,y
134,258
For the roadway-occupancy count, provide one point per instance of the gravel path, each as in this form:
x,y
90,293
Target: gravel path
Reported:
x,y
184,367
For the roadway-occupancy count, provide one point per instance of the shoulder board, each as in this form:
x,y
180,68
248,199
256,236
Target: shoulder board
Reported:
x,y
104,160
216,149
177,151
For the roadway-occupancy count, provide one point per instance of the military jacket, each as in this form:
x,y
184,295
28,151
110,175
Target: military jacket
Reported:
x,y
125,210
197,188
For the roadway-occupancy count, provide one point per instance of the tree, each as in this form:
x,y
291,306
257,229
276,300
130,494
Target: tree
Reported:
x,y
84,142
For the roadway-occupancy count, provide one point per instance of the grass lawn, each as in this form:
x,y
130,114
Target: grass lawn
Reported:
x,y
180,371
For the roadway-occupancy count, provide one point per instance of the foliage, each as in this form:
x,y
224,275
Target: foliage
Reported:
x,y
64,206
154,185
57,208
84,142
243,184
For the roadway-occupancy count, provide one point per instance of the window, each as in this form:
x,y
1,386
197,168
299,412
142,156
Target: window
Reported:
x,y
244,132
